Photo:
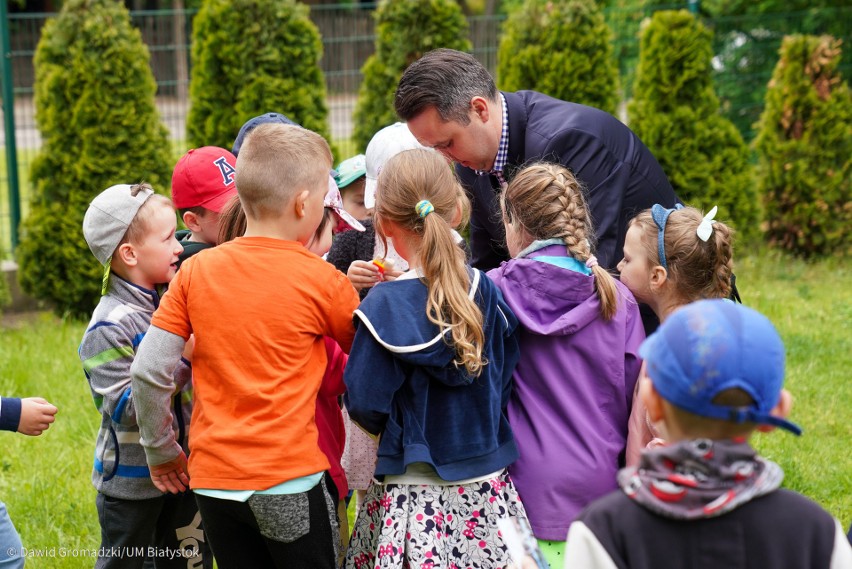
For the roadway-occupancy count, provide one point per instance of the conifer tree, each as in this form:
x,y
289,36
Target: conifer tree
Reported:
x,y
405,30
251,57
561,48
804,146
95,110
676,114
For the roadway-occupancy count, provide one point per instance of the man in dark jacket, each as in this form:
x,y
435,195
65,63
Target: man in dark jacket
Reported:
x,y
451,104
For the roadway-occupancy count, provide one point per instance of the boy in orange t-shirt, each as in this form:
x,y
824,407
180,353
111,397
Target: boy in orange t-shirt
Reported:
x,y
259,307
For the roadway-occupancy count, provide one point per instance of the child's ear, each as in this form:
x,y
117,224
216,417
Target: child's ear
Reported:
x,y
300,202
659,276
190,219
457,216
655,406
388,229
127,253
781,410
652,400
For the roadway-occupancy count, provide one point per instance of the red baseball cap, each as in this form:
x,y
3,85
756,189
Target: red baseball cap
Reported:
x,y
204,177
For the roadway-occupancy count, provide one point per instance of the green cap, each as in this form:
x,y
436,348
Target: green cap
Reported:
x,y
350,170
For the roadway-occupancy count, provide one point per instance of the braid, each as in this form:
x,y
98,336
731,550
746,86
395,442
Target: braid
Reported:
x,y
724,269
547,200
573,217
566,216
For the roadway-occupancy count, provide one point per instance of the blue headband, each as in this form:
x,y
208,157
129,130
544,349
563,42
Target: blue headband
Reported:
x,y
661,216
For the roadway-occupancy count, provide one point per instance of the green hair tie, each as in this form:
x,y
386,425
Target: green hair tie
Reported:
x,y
424,208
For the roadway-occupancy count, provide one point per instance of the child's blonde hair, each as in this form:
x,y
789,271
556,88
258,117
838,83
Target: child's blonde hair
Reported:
x,y
138,227
698,269
547,201
277,160
407,179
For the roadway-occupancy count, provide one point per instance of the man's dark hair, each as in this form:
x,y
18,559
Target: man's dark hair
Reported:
x,y
445,79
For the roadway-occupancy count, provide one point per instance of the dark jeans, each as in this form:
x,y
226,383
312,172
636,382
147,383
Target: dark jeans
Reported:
x,y
274,530
164,532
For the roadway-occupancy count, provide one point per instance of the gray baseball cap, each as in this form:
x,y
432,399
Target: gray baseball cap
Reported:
x,y
109,215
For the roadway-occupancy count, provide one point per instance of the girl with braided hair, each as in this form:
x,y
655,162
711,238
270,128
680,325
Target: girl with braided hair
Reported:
x,y
580,333
430,372
672,257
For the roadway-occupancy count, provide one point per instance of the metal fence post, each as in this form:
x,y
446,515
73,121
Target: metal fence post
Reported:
x,y
9,126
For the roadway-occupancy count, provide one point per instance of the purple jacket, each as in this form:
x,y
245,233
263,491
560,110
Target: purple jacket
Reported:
x,y
573,388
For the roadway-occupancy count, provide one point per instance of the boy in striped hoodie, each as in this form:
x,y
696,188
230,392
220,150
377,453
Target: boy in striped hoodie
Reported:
x,y
130,230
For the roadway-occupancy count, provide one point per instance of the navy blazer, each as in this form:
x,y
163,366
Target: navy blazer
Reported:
x,y
620,174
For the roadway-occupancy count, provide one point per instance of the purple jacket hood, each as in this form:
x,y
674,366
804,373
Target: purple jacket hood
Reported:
x,y
548,300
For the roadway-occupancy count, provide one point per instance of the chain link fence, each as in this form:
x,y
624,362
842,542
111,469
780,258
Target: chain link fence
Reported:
x,y
746,49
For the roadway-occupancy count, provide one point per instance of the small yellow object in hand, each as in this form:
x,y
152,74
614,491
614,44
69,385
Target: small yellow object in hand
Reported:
x,y
384,265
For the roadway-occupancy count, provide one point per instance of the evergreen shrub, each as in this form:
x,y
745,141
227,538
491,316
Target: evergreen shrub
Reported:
x,y
804,146
95,110
675,112
251,57
405,30
562,48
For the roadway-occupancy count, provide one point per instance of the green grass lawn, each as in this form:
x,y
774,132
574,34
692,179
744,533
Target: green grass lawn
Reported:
x,y
45,481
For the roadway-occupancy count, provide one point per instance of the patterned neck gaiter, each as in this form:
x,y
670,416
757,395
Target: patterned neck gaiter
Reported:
x,y
700,478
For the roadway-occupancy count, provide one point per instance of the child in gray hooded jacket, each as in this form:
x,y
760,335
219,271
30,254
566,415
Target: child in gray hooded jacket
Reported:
x,y
130,230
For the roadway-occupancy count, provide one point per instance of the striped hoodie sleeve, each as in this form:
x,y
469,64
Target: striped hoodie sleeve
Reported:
x,y
107,350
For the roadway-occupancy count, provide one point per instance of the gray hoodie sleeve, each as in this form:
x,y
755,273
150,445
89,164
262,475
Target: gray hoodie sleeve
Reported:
x,y
153,384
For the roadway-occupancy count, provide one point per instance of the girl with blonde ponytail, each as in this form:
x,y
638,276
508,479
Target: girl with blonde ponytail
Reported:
x,y
430,372
581,331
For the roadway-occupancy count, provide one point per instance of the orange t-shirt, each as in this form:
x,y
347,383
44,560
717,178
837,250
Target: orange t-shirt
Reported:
x,y
259,308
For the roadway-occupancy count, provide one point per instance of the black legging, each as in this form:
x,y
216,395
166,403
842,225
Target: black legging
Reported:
x,y
274,530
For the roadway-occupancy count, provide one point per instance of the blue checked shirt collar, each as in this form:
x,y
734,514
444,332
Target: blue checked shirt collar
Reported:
x,y
502,149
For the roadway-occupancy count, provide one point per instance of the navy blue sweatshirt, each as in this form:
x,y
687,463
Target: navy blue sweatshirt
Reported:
x,y
401,381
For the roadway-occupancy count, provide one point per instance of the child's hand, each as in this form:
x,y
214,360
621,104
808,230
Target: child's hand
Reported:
x,y
391,275
363,274
36,416
171,476
188,349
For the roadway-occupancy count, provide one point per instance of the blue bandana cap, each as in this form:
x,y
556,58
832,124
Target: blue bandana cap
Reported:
x,y
710,346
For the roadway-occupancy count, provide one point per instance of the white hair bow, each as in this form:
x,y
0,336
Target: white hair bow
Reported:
x,y
705,228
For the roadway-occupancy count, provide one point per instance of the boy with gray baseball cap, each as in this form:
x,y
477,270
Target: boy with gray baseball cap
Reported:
x,y
130,230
